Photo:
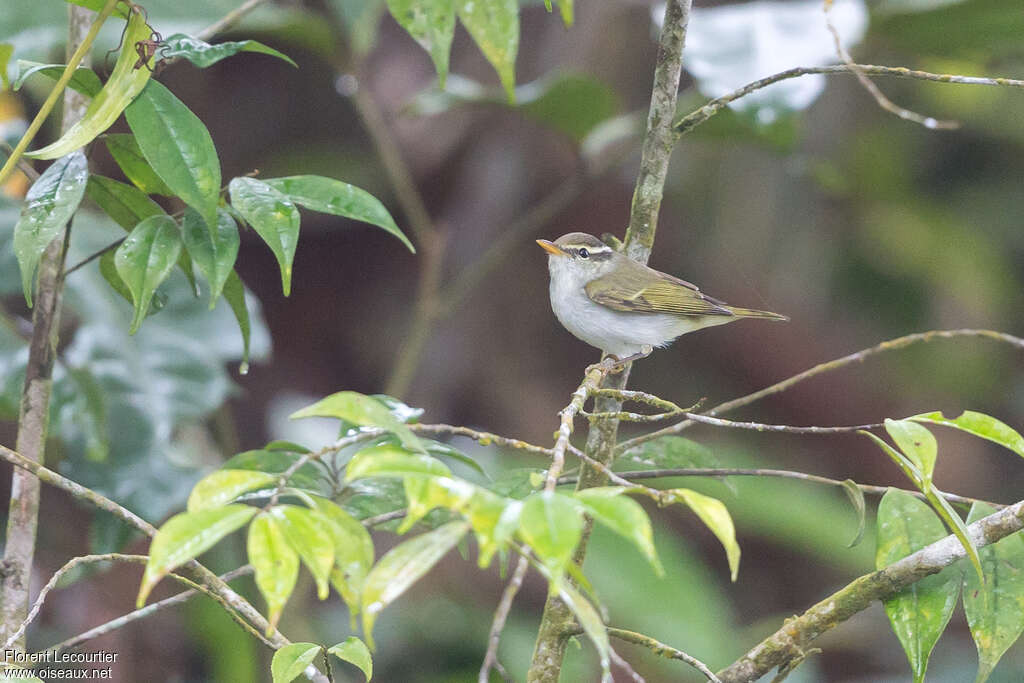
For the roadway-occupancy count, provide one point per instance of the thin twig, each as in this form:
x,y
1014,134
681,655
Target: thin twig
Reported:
x,y
793,638
783,429
500,617
140,613
591,381
662,650
93,256
687,123
229,19
869,85
623,664
821,368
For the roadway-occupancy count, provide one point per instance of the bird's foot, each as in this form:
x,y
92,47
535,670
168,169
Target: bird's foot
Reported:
x,y
612,364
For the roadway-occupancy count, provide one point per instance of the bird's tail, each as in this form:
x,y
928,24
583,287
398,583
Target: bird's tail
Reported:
x,y
754,313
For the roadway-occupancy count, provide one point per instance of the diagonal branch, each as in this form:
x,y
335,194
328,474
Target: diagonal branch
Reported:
x,y
789,641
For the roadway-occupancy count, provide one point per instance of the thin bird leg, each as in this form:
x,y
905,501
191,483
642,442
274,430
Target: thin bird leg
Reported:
x,y
613,363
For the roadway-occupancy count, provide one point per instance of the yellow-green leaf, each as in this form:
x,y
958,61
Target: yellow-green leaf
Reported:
x,y
386,460
431,23
981,425
306,532
353,552
856,496
124,84
590,620
995,608
354,651
919,613
49,204
223,486
551,524
494,27
716,517
234,294
402,566
361,410
624,516
291,660
187,535
917,443
275,565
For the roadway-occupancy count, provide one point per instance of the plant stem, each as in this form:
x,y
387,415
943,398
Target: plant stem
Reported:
x,y
558,621
34,410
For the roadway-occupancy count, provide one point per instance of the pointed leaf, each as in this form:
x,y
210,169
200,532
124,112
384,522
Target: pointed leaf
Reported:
x,y
305,531
178,148
145,259
565,8
126,152
274,218
361,410
109,272
214,251
291,660
402,566
327,195
387,460
354,651
495,520
431,23
223,486
424,493
276,462
919,613
49,204
856,497
275,565
234,294
552,525
979,424
202,54
590,620
84,80
494,27
186,536
917,443
124,84
716,517
996,620
125,204
624,516
353,552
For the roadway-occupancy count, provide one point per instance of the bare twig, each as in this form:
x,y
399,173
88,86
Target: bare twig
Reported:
x,y
687,123
869,85
229,19
782,429
93,256
662,650
500,617
821,368
790,640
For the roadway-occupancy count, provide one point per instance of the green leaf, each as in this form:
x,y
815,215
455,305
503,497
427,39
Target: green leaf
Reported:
x,y
402,566
275,565
84,80
213,251
856,496
432,24
178,148
573,104
590,620
361,410
126,205
49,204
91,413
145,259
387,460
291,660
427,491
917,443
676,452
565,8
359,19
234,294
494,27
716,517
920,612
276,462
6,50
353,550
202,54
981,425
109,272
223,486
495,520
274,218
995,608
126,152
124,84
624,516
305,531
552,525
354,651
327,195
187,535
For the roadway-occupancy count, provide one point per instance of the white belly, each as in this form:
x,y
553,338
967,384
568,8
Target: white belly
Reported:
x,y
619,333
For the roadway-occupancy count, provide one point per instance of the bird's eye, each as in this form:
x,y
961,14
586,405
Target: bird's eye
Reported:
x,y
584,253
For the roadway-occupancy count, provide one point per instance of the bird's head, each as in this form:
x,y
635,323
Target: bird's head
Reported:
x,y
579,256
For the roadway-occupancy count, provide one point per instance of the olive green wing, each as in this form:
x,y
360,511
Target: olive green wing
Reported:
x,y
646,290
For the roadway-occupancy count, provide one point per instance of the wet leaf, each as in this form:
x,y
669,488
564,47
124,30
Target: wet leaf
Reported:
x,y
494,27
145,259
353,552
275,565
84,80
917,443
202,54
552,525
387,460
623,515
981,425
361,410
274,218
223,486
431,23
305,531
213,251
234,294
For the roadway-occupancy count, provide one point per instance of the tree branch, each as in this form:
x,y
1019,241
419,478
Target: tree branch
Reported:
x,y
789,641
662,650
822,368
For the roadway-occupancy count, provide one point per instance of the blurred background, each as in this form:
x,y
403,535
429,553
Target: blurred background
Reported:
x,y
808,200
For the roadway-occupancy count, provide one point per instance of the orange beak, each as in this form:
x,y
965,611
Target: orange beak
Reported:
x,y
551,248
